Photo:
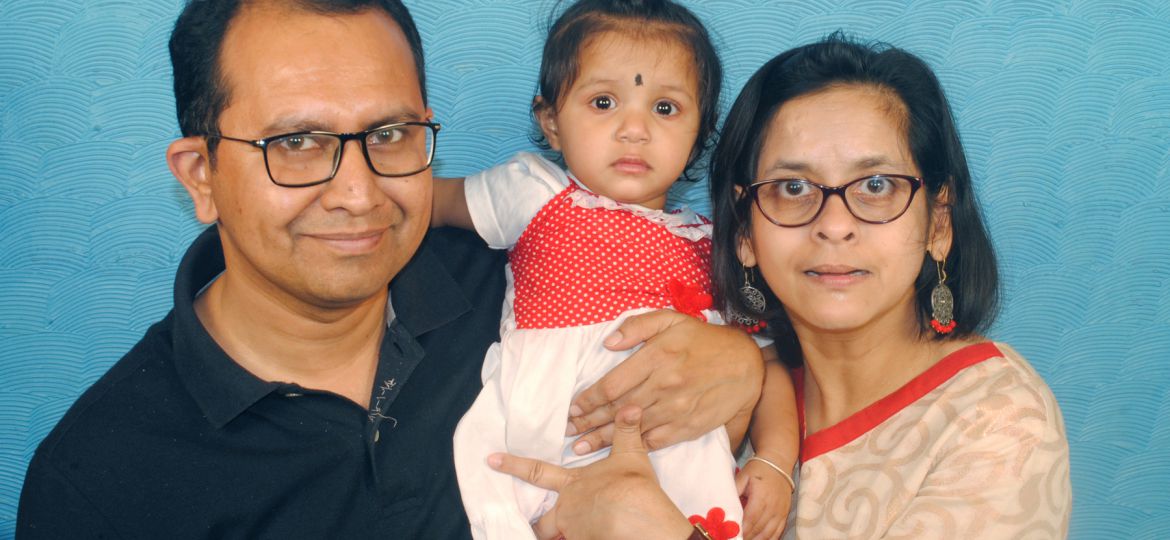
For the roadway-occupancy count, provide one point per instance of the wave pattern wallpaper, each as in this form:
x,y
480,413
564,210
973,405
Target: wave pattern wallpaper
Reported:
x,y
1064,108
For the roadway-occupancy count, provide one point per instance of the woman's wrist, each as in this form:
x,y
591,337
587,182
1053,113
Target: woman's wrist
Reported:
x,y
783,459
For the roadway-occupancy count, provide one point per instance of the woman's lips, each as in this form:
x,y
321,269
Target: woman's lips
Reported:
x,y
836,275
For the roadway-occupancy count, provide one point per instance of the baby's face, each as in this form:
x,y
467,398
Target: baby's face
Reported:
x,y
627,124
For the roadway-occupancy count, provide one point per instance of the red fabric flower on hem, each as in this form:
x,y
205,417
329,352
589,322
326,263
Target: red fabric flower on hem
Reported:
x,y
715,524
689,299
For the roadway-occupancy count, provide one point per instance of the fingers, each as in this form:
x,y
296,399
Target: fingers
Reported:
x,y
533,471
600,416
741,481
640,328
751,515
594,440
545,528
596,405
627,431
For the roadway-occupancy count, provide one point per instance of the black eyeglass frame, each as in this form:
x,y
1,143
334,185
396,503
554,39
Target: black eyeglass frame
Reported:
x,y
826,191
359,136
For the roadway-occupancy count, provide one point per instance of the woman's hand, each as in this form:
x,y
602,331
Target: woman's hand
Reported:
x,y
689,377
768,496
615,498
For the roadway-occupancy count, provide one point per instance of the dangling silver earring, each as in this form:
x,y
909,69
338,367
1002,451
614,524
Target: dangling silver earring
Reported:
x,y
942,302
754,299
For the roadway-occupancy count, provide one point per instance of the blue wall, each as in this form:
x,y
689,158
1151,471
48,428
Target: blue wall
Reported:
x,y
1064,108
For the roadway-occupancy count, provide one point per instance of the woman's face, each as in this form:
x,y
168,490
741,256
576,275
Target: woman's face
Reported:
x,y
838,274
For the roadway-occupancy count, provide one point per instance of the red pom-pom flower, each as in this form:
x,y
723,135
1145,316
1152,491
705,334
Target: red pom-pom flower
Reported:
x,y
715,524
689,299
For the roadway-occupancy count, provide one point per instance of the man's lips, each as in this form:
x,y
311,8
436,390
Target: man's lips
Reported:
x,y
357,241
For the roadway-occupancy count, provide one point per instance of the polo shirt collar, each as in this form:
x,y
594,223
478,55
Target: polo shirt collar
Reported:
x,y
425,295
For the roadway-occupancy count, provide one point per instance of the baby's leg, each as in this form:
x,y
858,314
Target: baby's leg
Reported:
x,y
537,378
487,495
699,475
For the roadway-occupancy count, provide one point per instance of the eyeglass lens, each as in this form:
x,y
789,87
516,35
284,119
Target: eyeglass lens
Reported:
x,y
797,202
306,158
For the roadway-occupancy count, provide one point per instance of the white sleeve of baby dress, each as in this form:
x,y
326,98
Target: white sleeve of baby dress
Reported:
x,y
504,199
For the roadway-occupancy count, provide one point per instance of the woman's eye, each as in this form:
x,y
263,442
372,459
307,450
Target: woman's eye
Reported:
x,y
665,108
603,102
877,185
794,188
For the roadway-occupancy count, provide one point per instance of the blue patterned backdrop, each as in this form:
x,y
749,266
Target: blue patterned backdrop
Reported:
x,y
1064,107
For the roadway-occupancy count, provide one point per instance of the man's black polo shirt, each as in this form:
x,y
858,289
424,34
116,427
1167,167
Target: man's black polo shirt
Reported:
x,y
179,441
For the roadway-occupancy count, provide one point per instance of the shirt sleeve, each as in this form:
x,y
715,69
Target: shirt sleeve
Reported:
x,y
52,507
504,199
1005,473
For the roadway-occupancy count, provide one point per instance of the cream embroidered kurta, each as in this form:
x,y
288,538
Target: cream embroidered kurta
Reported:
x,y
972,448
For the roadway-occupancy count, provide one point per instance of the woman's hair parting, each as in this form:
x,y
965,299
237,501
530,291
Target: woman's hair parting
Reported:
x,y
656,19
934,144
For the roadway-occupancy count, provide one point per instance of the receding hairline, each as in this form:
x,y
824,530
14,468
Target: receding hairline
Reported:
x,y
300,7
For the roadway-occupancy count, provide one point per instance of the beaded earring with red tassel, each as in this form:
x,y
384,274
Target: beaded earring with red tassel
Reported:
x,y
942,302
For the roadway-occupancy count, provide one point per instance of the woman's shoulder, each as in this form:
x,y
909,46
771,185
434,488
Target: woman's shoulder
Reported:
x,y
1003,390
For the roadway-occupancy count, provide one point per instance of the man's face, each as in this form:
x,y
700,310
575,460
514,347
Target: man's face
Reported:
x,y
339,243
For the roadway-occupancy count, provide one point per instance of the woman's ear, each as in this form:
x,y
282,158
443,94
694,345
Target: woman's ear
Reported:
x,y
941,230
190,163
744,249
547,118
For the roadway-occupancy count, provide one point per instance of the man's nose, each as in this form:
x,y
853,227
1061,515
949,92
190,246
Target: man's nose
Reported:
x,y
355,186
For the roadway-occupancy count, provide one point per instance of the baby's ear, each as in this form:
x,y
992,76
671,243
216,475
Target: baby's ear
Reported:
x,y
547,118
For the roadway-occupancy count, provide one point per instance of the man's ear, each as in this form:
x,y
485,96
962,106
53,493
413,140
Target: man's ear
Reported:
x,y
189,162
547,118
941,231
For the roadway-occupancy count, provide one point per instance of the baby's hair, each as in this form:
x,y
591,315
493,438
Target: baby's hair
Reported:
x,y
663,19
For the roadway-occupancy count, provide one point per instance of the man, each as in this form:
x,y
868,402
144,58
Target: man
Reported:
x,y
290,393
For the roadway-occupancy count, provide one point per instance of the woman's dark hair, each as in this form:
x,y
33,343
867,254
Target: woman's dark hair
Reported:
x,y
201,93
934,144
586,19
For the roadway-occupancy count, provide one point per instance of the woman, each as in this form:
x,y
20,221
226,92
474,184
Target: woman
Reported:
x,y
839,179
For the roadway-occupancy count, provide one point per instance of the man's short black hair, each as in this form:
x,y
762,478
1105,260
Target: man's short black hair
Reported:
x,y
201,93
934,144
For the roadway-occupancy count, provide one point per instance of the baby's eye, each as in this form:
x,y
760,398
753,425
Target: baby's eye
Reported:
x,y
603,102
665,108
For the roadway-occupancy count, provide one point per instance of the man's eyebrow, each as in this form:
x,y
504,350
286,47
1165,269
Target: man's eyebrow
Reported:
x,y
294,123
396,117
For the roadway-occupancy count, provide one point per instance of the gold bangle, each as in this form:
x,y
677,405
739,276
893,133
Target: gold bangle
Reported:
x,y
786,476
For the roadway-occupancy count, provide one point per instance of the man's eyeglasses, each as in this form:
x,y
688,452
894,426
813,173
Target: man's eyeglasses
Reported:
x,y
308,158
791,202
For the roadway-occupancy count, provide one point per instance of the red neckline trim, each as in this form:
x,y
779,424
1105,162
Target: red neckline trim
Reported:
x,y
858,424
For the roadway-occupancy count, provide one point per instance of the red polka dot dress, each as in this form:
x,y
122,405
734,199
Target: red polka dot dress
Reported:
x,y
579,264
